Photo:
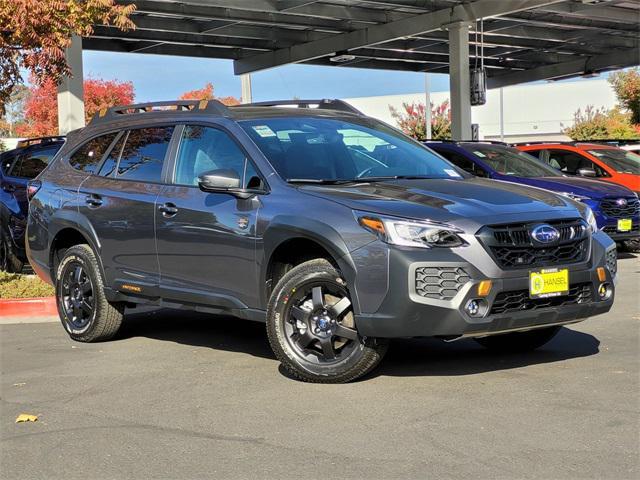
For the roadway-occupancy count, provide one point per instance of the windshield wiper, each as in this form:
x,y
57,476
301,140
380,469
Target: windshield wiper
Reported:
x,y
318,181
342,181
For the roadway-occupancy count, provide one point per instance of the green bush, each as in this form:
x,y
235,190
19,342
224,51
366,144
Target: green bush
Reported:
x,y
15,285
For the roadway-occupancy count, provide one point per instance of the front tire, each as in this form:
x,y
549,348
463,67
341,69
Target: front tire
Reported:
x,y
311,327
519,342
84,311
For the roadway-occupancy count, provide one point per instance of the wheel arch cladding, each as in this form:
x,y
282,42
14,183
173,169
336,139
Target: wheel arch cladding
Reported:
x,y
72,229
289,237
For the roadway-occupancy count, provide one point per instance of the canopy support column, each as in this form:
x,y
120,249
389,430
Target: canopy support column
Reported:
x,y
71,91
459,81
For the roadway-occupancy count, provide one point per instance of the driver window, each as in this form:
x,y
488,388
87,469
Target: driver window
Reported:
x,y
569,162
203,149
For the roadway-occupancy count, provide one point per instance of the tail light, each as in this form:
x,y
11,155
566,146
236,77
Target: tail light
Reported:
x,y
32,188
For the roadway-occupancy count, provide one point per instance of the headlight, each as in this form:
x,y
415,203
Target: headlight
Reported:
x,y
411,233
573,196
591,219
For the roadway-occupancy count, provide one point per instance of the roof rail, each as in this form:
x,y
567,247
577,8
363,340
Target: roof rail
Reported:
x,y
193,106
39,140
324,104
448,140
548,142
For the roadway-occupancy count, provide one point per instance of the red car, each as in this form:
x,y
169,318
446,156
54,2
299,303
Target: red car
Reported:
x,y
603,162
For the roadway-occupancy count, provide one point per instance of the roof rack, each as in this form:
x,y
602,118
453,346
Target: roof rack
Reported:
x,y
27,142
193,106
324,104
491,142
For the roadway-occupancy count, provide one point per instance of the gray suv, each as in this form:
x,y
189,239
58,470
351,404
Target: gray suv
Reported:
x,y
335,229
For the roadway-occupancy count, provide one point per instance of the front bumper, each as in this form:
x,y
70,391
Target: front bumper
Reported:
x,y
403,312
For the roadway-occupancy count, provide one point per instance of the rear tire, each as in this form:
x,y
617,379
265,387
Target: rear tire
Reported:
x,y
84,311
631,246
311,327
519,341
9,262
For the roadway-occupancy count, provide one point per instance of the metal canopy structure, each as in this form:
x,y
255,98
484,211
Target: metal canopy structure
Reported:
x,y
524,40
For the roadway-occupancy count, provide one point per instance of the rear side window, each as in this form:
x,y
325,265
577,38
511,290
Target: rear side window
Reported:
x,y
32,163
88,156
143,154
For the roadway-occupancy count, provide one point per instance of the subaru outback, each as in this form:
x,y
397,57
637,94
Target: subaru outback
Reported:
x,y
335,229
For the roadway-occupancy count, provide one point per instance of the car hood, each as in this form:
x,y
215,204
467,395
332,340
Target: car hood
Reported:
x,y
595,189
445,200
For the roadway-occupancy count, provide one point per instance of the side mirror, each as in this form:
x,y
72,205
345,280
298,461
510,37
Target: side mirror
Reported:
x,y
587,172
223,181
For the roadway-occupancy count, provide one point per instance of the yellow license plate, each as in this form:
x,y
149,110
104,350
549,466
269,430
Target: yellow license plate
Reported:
x,y
624,225
549,283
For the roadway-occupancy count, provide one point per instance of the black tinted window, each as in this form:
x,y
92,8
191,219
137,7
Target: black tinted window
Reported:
x,y
32,163
203,149
143,154
110,163
88,156
6,161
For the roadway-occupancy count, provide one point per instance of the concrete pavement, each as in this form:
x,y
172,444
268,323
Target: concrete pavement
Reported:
x,y
181,395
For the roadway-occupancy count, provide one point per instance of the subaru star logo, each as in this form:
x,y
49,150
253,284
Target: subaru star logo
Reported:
x,y
621,202
545,234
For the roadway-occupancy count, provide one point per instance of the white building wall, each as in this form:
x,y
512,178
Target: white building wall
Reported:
x,y
531,111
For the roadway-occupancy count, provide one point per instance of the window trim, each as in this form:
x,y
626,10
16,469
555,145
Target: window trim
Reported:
x,y
174,160
165,160
67,157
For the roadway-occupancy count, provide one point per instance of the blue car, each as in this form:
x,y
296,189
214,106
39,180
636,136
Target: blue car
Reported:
x,y
17,167
616,208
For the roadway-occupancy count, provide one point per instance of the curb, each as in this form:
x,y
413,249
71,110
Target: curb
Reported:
x,y
32,308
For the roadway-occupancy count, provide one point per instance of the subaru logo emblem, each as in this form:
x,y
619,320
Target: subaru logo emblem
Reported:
x,y
545,234
621,202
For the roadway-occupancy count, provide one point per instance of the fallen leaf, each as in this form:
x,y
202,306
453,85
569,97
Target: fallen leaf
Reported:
x,y
25,417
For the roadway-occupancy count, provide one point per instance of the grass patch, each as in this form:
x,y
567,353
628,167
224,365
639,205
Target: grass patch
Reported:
x,y
15,285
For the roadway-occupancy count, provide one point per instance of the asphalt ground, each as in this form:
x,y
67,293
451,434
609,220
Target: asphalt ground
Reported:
x,y
181,395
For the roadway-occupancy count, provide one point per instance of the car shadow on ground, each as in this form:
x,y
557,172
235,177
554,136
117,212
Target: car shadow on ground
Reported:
x,y
433,357
406,357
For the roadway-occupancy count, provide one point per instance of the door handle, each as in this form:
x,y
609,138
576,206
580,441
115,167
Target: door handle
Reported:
x,y
168,210
93,200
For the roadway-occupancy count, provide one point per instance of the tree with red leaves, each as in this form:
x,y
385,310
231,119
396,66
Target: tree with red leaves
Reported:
x,y
35,33
41,105
206,93
412,120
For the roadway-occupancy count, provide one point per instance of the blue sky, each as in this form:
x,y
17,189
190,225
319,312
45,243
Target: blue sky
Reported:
x,y
161,77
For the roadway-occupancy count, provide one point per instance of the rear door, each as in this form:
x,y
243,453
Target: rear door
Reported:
x,y
206,241
118,199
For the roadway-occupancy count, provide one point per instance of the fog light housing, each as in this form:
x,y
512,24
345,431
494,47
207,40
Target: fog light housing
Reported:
x,y
605,291
476,307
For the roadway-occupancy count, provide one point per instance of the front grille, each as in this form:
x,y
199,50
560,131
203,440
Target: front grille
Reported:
x,y
440,283
519,300
611,260
513,247
613,229
610,207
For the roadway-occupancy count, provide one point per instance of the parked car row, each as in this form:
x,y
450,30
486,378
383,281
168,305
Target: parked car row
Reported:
x,y
616,207
335,229
17,167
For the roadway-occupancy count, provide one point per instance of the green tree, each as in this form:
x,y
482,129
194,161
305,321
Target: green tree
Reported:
x,y
412,120
626,84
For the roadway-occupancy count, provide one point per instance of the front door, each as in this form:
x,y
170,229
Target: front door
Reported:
x,y
206,241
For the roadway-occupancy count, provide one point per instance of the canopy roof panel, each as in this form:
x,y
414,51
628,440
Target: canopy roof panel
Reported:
x,y
524,40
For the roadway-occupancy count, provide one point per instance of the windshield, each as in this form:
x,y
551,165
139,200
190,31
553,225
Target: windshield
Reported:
x,y
511,161
331,150
620,160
